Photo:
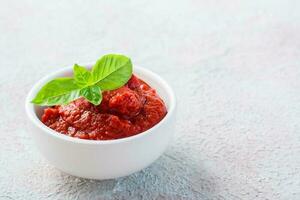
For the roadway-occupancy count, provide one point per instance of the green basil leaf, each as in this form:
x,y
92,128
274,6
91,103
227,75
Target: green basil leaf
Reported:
x,y
58,91
92,93
81,75
112,71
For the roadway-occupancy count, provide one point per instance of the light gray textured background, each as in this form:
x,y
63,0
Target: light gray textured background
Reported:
x,y
235,67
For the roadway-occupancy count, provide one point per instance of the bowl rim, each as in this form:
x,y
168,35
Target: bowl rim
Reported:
x,y
29,107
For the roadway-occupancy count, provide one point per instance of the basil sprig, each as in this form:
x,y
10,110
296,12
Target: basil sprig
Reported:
x,y
110,72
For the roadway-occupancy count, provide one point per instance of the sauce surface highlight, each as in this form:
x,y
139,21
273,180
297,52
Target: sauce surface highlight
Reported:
x,y
126,111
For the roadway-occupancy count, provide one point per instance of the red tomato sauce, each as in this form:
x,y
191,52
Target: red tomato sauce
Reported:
x,y
123,112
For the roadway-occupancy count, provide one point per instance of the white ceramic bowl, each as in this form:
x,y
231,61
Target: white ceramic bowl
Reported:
x,y
103,159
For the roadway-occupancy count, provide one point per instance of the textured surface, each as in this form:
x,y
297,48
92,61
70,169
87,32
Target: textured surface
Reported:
x,y
235,68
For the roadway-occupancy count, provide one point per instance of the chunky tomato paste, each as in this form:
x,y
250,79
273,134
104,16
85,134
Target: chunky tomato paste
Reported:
x,y
123,112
